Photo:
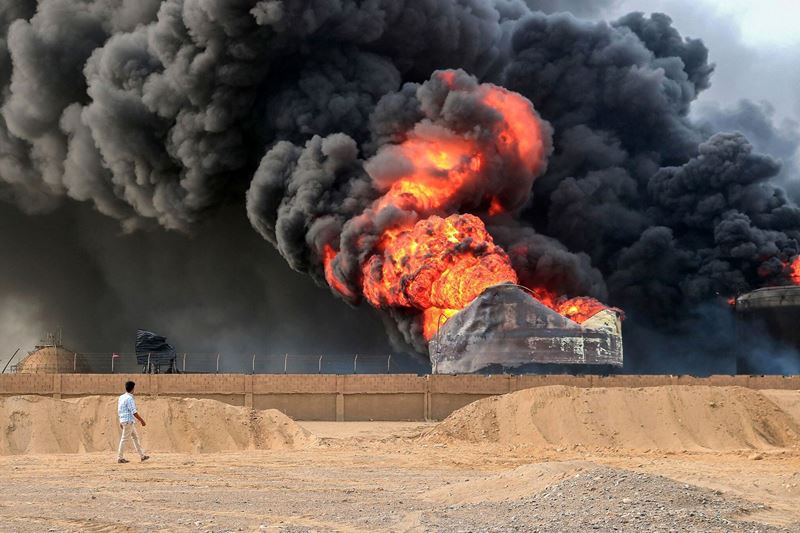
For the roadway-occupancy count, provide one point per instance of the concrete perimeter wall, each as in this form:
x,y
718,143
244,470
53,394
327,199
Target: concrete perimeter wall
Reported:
x,y
347,397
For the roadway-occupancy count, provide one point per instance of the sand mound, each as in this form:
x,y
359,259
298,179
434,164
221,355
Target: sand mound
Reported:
x,y
671,418
35,424
788,400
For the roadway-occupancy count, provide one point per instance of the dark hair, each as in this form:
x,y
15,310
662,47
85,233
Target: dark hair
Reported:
x,y
129,385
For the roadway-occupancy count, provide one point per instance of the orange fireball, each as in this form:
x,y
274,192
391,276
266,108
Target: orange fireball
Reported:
x,y
439,262
444,259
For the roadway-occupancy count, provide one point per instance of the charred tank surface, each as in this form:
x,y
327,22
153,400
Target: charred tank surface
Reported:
x,y
774,309
506,326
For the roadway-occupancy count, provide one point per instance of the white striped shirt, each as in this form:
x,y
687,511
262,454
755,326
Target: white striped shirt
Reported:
x,y
126,408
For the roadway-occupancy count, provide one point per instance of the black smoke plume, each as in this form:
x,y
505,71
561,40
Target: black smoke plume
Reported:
x,y
186,115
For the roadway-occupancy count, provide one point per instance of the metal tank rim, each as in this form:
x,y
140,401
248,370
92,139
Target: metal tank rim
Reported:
x,y
769,297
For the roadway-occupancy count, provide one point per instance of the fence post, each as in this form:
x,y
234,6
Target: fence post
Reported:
x,y
388,364
254,364
355,363
74,362
320,364
217,362
184,362
149,370
112,363
285,361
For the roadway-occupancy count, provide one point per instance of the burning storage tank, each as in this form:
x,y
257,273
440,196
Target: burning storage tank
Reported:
x,y
509,327
452,179
775,309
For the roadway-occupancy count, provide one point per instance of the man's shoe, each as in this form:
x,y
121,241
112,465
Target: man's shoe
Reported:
x,y
145,458
123,461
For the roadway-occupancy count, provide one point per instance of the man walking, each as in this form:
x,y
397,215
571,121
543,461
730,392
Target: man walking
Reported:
x,y
126,409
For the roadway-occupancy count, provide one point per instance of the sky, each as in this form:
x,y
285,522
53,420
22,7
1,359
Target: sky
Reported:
x,y
755,46
769,22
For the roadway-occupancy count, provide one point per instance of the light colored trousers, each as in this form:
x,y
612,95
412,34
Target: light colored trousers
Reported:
x,y
129,433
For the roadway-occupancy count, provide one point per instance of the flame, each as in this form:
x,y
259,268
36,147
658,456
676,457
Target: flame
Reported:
x,y
579,309
329,254
433,318
438,262
442,259
794,270
440,169
495,207
523,132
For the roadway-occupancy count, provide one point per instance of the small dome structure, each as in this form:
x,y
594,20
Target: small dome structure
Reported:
x,y
50,357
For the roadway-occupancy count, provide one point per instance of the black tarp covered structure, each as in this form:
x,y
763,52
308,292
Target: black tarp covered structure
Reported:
x,y
154,350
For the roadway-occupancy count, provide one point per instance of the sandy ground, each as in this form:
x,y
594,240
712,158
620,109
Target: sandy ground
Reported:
x,y
381,476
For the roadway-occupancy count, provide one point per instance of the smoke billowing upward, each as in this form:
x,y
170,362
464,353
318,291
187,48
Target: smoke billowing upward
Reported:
x,y
176,119
214,291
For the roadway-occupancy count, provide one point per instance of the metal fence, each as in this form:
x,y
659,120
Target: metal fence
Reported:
x,y
253,363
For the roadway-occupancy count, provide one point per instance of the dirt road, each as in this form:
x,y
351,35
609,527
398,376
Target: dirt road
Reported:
x,y
381,477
